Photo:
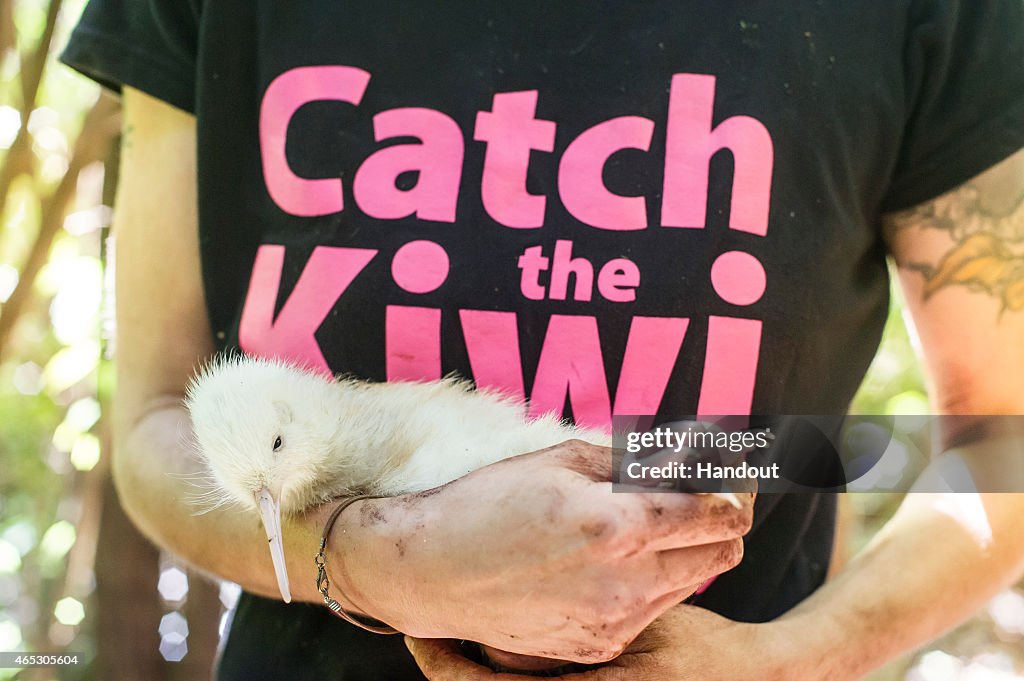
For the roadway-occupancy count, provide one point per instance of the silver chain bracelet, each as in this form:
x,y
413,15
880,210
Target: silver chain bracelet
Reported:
x,y
323,583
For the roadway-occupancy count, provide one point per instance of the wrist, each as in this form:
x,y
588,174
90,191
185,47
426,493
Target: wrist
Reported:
x,y
362,548
352,544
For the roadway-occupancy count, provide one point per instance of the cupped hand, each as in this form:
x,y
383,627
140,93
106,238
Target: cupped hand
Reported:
x,y
686,643
536,555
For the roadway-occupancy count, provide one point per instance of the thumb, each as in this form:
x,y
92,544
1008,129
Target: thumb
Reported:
x,y
592,461
606,673
442,660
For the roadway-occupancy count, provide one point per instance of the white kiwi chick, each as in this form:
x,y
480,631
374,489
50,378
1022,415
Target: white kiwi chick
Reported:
x,y
279,439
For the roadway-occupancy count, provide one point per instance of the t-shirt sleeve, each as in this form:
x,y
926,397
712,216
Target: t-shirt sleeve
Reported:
x,y
149,45
964,75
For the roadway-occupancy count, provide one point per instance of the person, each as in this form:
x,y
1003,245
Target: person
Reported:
x,y
607,208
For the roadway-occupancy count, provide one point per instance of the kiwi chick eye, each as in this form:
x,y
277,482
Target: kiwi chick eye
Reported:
x,y
277,443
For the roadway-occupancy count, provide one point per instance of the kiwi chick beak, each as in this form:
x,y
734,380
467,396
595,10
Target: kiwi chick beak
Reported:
x,y
270,513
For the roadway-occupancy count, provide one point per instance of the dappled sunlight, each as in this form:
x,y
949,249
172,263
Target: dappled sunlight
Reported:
x,y
968,510
8,280
10,124
941,666
1007,612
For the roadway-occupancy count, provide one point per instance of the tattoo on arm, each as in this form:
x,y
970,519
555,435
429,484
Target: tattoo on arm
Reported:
x,y
984,222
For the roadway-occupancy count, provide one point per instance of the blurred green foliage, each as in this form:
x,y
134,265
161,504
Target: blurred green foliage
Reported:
x,y
895,382
50,358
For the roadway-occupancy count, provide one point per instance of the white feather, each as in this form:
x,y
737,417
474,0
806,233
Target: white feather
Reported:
x,y
344,436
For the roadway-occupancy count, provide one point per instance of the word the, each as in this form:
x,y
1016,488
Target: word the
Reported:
x,y
616,282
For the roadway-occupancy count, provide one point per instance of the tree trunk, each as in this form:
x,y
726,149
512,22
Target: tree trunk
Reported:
x,y
128,605
203,613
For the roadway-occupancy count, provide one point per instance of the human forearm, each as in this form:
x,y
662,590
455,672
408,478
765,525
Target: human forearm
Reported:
x,y
929,569
941,557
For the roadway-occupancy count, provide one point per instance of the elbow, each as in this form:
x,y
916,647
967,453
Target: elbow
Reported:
x,y
144,461
966,388
129,485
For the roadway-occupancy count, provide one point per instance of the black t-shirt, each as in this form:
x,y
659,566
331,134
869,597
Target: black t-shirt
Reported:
x,y
605,207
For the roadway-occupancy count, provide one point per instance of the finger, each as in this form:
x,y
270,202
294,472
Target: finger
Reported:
x,y
592,461
670,520
680,568
608,673
649,637
442,660
631,666
618,457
